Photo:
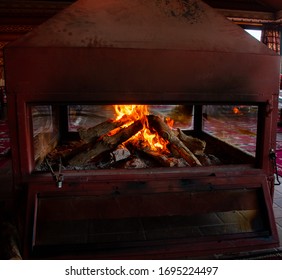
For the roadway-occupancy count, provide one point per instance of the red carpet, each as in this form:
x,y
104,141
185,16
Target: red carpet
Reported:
x,y
240,132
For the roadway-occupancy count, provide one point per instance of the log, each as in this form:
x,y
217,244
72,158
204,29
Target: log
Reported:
x,y
91,134
160,158
106,143
166,132
121,153
67,151
134,163
208,160
163,159
195,145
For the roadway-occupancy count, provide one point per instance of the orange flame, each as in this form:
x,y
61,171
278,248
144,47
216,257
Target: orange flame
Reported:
x,y
133,113
236,110
169,122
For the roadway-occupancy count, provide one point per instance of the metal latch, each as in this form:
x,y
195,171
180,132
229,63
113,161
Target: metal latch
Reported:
x,y
59,178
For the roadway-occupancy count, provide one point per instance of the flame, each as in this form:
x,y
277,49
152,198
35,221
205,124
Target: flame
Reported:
x,y
148,138
236,110
134,112
169,122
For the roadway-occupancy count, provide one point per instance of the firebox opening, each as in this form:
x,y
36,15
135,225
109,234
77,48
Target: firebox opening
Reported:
x,y
90,137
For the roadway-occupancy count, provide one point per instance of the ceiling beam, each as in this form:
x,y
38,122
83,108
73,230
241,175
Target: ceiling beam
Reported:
x,y
252,17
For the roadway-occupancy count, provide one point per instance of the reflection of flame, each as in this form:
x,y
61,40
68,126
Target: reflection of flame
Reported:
x,y
236,110
149,138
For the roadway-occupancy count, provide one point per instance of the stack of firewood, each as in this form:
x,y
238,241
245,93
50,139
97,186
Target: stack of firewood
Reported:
x,y
109,145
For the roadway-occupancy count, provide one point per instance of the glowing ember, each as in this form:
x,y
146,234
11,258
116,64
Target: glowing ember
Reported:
x,y
149,139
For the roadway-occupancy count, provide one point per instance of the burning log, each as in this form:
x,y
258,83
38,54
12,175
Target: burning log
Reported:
x,y
106,143
165,132
88,137
93,133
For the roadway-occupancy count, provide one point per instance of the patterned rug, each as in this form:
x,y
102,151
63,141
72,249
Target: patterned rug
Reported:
x,y
240,132
4,143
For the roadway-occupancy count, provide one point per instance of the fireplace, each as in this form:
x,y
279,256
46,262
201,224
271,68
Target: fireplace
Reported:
x,y
151,138
99,137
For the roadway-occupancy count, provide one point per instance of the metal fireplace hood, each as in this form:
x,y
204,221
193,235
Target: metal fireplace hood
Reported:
x,y
148,50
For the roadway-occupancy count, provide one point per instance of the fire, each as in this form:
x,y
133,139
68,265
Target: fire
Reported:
x,y
149,139
236,110
169,121
134,112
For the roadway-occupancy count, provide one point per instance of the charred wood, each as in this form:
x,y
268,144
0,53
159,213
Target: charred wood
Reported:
x,y
93,133
106,143
121,153
67,151
208,160
195,145
166,132
164,160
135,162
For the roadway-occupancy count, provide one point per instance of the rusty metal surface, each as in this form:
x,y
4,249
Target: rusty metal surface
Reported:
x,y
162,52
141,46
142,24
141,75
